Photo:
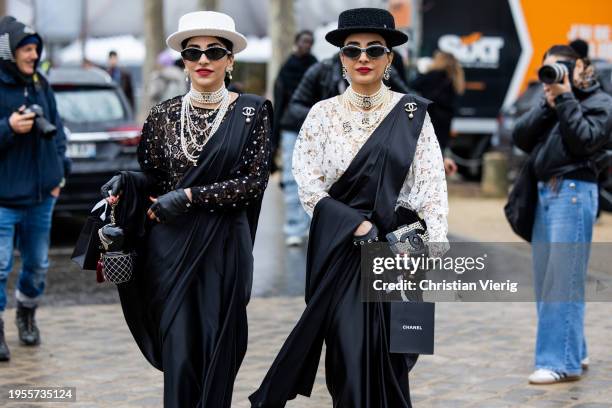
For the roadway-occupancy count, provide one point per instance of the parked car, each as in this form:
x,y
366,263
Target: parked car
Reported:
x,y
502,139
102,133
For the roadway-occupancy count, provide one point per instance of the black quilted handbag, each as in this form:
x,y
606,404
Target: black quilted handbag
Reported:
x,y
117,265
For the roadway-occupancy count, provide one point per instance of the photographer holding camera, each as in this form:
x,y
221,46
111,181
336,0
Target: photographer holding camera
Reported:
x,y
33,164
566,136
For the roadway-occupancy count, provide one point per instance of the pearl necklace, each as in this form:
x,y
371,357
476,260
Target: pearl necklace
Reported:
x,y
371,118
192,146
366,102
207,98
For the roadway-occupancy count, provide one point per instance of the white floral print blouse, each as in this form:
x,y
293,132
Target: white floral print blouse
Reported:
x,y
323,152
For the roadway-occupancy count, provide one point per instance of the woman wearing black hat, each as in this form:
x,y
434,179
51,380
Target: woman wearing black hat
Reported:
x,y
364,161
205,158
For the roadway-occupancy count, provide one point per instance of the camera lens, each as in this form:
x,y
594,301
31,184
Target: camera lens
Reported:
x,y
552,74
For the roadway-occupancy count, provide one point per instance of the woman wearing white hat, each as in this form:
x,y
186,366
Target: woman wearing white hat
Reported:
x,y
205,157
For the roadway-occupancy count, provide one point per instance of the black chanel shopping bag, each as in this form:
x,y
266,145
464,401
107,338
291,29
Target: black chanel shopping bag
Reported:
x,y
412,327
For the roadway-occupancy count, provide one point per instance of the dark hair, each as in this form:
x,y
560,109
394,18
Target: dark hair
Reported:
x,y
581,47
112,53
226,43
588,75
301,33
562,51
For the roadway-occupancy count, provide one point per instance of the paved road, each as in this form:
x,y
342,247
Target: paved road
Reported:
x,y
483,355
483,350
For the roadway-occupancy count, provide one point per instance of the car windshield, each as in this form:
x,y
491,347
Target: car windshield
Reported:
x,y
82,106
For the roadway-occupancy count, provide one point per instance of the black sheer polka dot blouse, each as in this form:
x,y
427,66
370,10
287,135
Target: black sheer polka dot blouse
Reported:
x,y
161,157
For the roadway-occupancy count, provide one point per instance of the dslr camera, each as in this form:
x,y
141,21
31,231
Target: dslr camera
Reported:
x,y
41,124
554,73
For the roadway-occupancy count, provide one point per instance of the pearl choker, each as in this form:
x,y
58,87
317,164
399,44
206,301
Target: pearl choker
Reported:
x,y
207,98
366,102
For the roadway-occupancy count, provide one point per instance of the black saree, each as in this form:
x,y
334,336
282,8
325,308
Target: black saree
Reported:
x,y
360,371
186,307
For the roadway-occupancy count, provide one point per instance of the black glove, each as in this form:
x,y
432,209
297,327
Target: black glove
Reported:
x,y
171,205
116,184
368,238
113,186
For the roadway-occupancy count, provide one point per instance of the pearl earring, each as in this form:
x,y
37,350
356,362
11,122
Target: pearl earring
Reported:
x,y
186,75
229,74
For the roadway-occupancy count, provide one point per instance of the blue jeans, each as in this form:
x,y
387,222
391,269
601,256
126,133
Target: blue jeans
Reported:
x,y
561,244
28,227
297,221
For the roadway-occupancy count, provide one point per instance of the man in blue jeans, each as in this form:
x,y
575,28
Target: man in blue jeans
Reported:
x,y
33,164
285,132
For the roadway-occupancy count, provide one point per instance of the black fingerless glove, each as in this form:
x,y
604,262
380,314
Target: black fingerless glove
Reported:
x,y
371,236
171,205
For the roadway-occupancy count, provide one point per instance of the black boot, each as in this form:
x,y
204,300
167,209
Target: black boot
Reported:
x,y
26,324
5,354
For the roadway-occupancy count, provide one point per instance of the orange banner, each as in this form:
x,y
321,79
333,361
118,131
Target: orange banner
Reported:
x,y
551,22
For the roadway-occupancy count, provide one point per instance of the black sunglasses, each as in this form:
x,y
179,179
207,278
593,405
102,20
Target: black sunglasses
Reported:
x,y
372,51
212,53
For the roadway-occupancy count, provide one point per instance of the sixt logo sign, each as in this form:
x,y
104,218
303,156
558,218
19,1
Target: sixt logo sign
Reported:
x,y
473,50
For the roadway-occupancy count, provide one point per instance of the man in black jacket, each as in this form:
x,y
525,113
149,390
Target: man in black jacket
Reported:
x,y
566,136
33,165
285,133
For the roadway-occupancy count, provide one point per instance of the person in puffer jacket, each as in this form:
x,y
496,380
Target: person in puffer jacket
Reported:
x,y
567,135
33,165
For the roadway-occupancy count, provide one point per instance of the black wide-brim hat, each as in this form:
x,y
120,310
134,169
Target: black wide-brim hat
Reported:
x,y
366,20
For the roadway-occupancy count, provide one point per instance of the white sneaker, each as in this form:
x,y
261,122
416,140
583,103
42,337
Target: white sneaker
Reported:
x,y
585,363
544,376
294,241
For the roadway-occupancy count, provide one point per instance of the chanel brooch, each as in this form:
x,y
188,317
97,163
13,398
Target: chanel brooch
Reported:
x,y
410,107
248,112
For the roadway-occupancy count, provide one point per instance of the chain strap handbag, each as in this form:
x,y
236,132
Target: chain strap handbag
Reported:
x,y
117,266
408,239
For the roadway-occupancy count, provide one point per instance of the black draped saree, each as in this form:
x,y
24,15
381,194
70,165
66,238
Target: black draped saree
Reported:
x,y
186,307
359,370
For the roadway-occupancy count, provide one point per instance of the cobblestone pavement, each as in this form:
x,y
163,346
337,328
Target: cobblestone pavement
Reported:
x,y
484,351
483,355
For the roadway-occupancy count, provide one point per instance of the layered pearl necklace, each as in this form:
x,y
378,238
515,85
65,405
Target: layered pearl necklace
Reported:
x,y
372,108
193,138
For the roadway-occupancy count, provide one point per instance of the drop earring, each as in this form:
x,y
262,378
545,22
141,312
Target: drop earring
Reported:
x,y
186,75
387,73
229,73
345,74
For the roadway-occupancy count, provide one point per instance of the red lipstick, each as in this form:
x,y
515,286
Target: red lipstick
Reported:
x,y
364,70
203,72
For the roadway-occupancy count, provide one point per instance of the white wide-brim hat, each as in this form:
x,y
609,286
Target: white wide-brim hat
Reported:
x,y
208,24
